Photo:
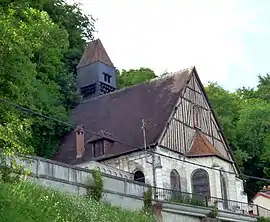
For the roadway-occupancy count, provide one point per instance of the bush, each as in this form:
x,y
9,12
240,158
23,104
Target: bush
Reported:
x,y
188,200
26,202
95,188
263,219
147,201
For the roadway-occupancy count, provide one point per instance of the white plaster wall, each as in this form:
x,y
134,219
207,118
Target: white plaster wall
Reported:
x,y
262,201
185,170
142,161
132,162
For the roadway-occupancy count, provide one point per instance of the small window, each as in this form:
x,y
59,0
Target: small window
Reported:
x,y
98,148
107,77
139,176
196,116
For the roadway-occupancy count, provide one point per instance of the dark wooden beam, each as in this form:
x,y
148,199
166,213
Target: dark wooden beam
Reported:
x,y
197,128
188,100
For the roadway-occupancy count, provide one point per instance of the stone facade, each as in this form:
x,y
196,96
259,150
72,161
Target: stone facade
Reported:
x,y
167,160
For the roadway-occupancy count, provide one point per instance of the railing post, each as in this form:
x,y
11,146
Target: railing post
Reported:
x,y
258,213
206,201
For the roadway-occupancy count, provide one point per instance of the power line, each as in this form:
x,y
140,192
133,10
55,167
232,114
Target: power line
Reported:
x,y
62,122
127,144
204,166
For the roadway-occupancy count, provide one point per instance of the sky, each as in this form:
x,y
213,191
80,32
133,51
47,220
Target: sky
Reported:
x,y
226,40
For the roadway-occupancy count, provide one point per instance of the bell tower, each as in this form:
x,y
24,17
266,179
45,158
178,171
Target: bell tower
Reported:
x,y
96,74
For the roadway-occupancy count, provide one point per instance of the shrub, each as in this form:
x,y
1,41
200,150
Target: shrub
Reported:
x,y
147,201
188,200
263,219
96,185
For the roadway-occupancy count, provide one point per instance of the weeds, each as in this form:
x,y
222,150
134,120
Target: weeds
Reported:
x,y
26,202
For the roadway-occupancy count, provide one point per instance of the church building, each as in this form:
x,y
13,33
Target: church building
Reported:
x,y
163,131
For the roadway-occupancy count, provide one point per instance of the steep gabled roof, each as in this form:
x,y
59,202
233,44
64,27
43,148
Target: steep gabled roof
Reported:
x,y
121,113
202,147
95,52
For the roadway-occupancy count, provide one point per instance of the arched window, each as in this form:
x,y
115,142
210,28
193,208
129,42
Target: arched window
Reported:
x,y
175,185
175,180
224,191
200,183
139,176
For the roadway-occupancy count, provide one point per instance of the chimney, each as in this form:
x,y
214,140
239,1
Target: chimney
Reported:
x,y
80,140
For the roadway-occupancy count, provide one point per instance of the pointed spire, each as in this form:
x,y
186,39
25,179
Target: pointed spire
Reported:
x,y
95,52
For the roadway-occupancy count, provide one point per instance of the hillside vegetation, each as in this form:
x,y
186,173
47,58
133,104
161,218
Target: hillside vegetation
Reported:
x,y
26,202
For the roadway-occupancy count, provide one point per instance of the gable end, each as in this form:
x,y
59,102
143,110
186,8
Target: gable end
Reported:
x,y
185,121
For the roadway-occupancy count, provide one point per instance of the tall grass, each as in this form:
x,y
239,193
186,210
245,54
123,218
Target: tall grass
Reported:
x,y
26,202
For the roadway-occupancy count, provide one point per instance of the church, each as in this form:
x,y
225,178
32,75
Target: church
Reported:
x,y
163,131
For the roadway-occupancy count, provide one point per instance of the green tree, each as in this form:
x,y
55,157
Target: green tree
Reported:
x,y
253,130
227,106
244,116
134,77
38,39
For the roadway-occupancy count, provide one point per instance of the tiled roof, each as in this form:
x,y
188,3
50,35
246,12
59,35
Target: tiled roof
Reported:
x,y
121,112
95,52
202,147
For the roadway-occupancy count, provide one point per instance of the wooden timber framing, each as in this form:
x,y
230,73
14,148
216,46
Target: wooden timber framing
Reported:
x,y
180,130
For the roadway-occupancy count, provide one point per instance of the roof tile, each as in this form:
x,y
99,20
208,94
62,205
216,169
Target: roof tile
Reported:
x,y
202,147
121,113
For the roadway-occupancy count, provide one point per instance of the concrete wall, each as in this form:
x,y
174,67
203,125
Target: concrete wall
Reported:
x,y
173,212
117,190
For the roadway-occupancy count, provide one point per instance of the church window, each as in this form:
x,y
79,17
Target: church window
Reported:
x,y
139,176
196,116
89,90
104,88
175,184
98,148
107,77
200,183
224,192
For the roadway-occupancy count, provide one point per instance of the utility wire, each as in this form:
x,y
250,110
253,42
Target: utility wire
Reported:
x,y
62,122
204,166
122,142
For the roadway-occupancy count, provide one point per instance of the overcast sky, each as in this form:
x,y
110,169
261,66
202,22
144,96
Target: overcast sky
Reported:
x,y
227,41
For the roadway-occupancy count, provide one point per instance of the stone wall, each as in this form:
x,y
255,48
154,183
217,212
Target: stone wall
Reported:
x,y
120,191
143,161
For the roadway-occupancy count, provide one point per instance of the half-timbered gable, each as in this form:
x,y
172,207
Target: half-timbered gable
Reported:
x,y
192,115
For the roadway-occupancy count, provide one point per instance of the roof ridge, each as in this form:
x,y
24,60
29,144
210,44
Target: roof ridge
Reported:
x,y
158,78
94,51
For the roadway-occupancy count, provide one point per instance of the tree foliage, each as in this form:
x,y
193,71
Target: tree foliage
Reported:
x,y
245,118
41,44
133,77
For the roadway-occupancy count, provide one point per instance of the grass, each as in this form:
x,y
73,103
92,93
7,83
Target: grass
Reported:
x,y
26,202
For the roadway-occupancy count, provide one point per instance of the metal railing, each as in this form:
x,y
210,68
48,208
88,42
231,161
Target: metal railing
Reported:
x,y
175,196
179,197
